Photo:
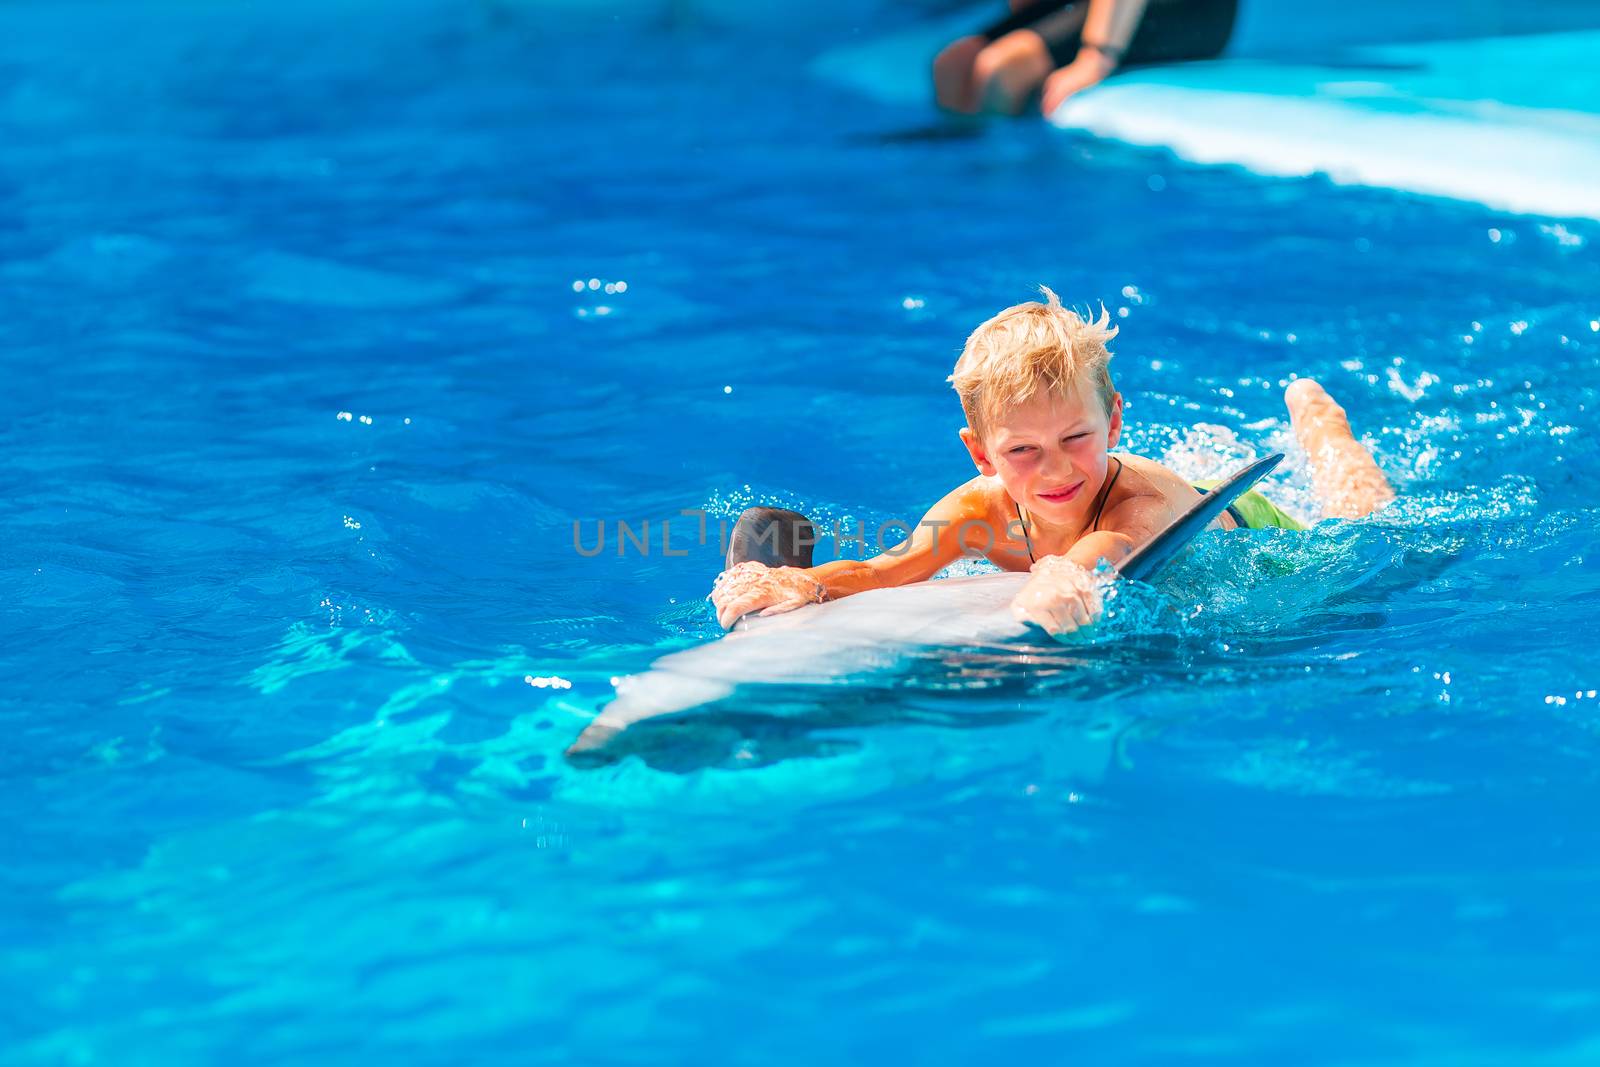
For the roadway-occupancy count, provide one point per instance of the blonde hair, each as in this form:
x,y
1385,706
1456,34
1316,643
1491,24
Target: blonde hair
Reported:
x,y
1027,349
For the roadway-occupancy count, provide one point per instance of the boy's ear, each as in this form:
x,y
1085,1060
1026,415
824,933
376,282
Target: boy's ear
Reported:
x,y
1116,420
980,458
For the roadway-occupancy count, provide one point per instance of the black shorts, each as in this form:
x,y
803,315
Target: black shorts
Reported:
x,y
1171,30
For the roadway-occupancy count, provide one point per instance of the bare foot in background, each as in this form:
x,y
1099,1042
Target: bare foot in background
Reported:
x,y
1343,472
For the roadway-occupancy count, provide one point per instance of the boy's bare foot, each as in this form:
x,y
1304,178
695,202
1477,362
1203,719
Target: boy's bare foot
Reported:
x,y
1345,475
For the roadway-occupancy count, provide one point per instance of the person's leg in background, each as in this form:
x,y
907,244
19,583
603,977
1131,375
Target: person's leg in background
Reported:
x,y
1000,68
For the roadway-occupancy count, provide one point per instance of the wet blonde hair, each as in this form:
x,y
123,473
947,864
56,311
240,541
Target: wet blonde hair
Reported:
x,y
1028,349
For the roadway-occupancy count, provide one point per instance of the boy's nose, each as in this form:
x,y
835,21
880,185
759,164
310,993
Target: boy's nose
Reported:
x,y
1057,466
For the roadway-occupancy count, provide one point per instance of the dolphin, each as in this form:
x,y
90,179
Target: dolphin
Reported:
x,y
949,623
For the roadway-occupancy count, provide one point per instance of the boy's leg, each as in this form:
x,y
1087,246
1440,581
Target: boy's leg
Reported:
x,y
1346,477
773,536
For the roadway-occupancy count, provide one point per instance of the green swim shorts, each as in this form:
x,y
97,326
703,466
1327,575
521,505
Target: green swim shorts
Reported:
x,y
1255,512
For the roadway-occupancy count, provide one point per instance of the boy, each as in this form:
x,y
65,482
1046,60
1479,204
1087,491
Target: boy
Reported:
x,y
1050,497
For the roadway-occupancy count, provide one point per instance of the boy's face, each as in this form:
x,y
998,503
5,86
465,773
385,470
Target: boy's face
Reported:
x,y
1051,452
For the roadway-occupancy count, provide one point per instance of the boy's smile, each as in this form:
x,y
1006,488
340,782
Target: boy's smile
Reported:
x,y
1061,496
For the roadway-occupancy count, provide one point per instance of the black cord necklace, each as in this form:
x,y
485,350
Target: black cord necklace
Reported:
x,y
1100,506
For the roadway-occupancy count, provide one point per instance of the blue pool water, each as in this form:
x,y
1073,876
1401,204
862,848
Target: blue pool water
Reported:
x,y
307,385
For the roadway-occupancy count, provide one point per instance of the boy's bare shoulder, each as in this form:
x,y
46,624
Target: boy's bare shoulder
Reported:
x,y
979,498
1146,497
1142,476
986,522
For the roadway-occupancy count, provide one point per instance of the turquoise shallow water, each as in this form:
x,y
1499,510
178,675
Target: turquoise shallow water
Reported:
x,y
308,385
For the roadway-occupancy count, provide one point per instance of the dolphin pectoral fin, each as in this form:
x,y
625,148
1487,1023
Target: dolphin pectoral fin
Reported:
x,y
684,744
593,747
668,743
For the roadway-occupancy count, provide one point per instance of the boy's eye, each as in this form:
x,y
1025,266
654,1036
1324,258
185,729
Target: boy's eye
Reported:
x,y
1020,449
1078,436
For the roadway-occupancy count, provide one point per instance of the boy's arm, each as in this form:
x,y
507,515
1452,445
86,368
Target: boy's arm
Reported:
x,y
1111,545
1064,592
933,544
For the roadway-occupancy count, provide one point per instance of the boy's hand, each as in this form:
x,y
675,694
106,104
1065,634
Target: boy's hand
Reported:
x,y
1060,597
752,586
